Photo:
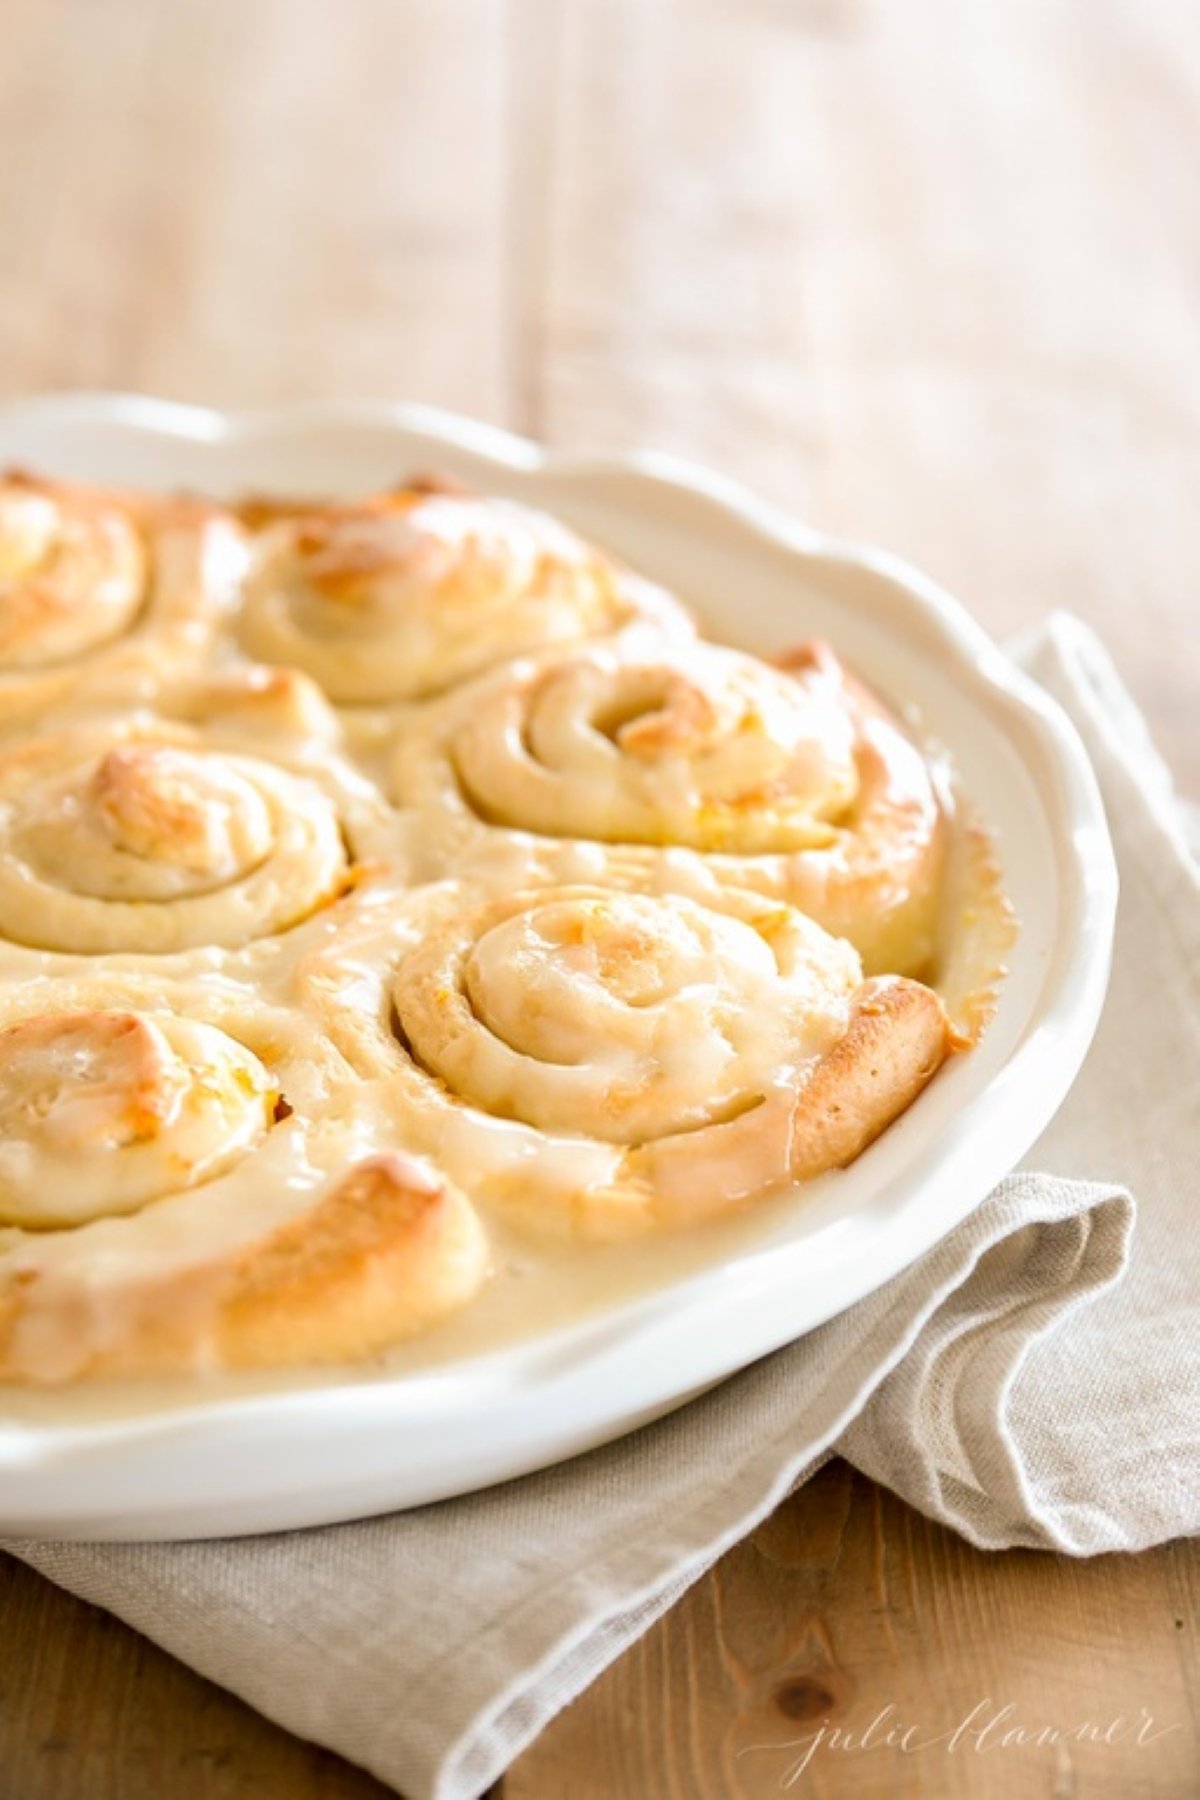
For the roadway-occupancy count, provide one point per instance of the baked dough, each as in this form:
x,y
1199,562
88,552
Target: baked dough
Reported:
x,y
106,590
795,782
192,1181
599,1063
490,901
402,595
132,834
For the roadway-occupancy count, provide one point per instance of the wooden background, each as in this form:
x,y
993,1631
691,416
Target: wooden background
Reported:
x,y
925,270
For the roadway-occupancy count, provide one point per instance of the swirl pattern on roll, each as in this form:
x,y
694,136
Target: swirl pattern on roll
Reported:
x,y
189,1193
100,586
147,837
104,1111
795,782
608,1062
489,896
406,594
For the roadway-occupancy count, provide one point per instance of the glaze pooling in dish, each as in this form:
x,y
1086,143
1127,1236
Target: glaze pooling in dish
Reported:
x,y
494,903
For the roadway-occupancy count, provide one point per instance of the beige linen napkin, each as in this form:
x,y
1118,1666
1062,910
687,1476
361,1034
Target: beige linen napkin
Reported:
x,y
1010,1384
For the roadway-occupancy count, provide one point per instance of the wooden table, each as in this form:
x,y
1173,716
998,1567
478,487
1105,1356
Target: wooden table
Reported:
x,y
926,272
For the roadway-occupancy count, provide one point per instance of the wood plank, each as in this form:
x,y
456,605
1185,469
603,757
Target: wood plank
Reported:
x,y
929,275
841,1606
227,201
90,1710
848,1608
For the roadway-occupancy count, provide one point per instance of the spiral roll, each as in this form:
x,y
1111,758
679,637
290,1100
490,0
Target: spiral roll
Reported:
x,y
192,1182
795,783
406,594
147,836
599,1062
106,590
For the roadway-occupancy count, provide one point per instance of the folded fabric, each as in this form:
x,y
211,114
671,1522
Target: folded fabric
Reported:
x,y
1010,1384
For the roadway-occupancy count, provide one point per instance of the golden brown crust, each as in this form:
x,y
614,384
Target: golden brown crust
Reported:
x,y
897,1039
384,1255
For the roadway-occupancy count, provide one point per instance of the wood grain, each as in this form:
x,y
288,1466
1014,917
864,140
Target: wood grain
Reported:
x,y
848,1608
255,201
844,1608
91,1711
929,273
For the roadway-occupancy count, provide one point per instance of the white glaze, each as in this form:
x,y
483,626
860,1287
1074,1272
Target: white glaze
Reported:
x,y
252,1454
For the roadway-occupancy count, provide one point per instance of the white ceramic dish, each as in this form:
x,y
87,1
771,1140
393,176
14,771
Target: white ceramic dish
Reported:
x,y
200,1464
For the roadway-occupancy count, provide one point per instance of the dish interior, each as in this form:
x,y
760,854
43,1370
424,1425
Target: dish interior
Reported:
x,y
764,587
